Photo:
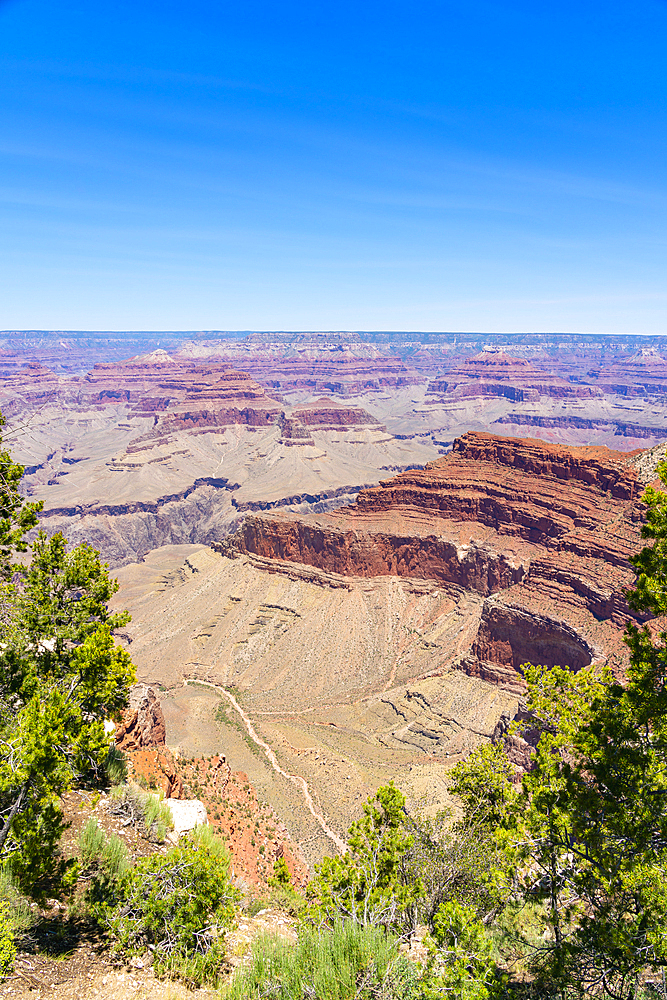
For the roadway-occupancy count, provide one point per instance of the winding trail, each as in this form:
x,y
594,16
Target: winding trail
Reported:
x,y
296,779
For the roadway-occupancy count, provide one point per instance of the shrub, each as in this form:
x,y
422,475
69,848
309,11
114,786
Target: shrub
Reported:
x,y
16,917
91,842
461,964
178,905
334,964
116,766
364,884
281,878
144,810
7,946
101,854
21,916
204,836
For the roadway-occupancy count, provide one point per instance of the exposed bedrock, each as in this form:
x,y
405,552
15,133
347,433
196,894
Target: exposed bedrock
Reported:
x,y
547,529
143,721
566,503
126,533
512,636
356,553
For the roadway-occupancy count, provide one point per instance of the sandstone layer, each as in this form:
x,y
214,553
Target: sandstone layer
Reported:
x,y
143,722
543,532
495,373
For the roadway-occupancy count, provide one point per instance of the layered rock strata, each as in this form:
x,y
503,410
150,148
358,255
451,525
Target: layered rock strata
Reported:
x,y
546,530
641,374
157,451
143,722
342,363
495,373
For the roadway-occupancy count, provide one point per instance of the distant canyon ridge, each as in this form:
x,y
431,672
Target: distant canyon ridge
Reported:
x,y
176,444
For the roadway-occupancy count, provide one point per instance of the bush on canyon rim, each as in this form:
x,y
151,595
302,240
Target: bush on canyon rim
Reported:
x,y
364,885
179,906
336,963
61,676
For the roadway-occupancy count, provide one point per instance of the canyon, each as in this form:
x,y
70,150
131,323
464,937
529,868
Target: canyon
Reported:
x,y
339,549
386,638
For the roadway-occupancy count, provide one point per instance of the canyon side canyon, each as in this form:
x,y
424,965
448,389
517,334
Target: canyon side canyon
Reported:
x,y
338,550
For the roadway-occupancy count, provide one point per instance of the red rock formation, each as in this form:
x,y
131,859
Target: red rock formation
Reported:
x,y
185,395
158,768
194,395
323,542
143,722
24,384
328,413
547,529
325,415
619,428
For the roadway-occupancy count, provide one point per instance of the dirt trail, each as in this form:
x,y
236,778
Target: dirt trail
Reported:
x,y
296,779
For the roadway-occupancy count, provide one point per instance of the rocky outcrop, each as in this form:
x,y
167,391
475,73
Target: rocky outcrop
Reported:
x,y
143,722
377,553
579,501
327,413
546,529
509,637
181,396
187,814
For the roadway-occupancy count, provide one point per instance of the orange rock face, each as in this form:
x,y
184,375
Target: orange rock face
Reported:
x,y
543,531
143,721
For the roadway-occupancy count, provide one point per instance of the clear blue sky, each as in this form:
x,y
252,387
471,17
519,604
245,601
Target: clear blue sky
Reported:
x,y
303,165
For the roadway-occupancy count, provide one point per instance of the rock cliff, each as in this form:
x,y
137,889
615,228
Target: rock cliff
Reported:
x,y
143,722
495,373
156,451
546,529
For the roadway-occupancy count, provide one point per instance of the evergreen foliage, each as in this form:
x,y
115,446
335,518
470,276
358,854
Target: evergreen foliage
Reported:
x,y
17,516
364,885
460,962
7,946
178,905
61,677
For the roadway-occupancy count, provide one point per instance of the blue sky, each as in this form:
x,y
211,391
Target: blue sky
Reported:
x,y
428,166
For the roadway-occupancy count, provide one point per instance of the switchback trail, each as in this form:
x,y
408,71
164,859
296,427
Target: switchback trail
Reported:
x,y
296,779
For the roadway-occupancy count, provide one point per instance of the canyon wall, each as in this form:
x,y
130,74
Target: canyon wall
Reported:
x,y
546,529
376,553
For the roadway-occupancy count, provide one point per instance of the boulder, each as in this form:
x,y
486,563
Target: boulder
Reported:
x,y
187,814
